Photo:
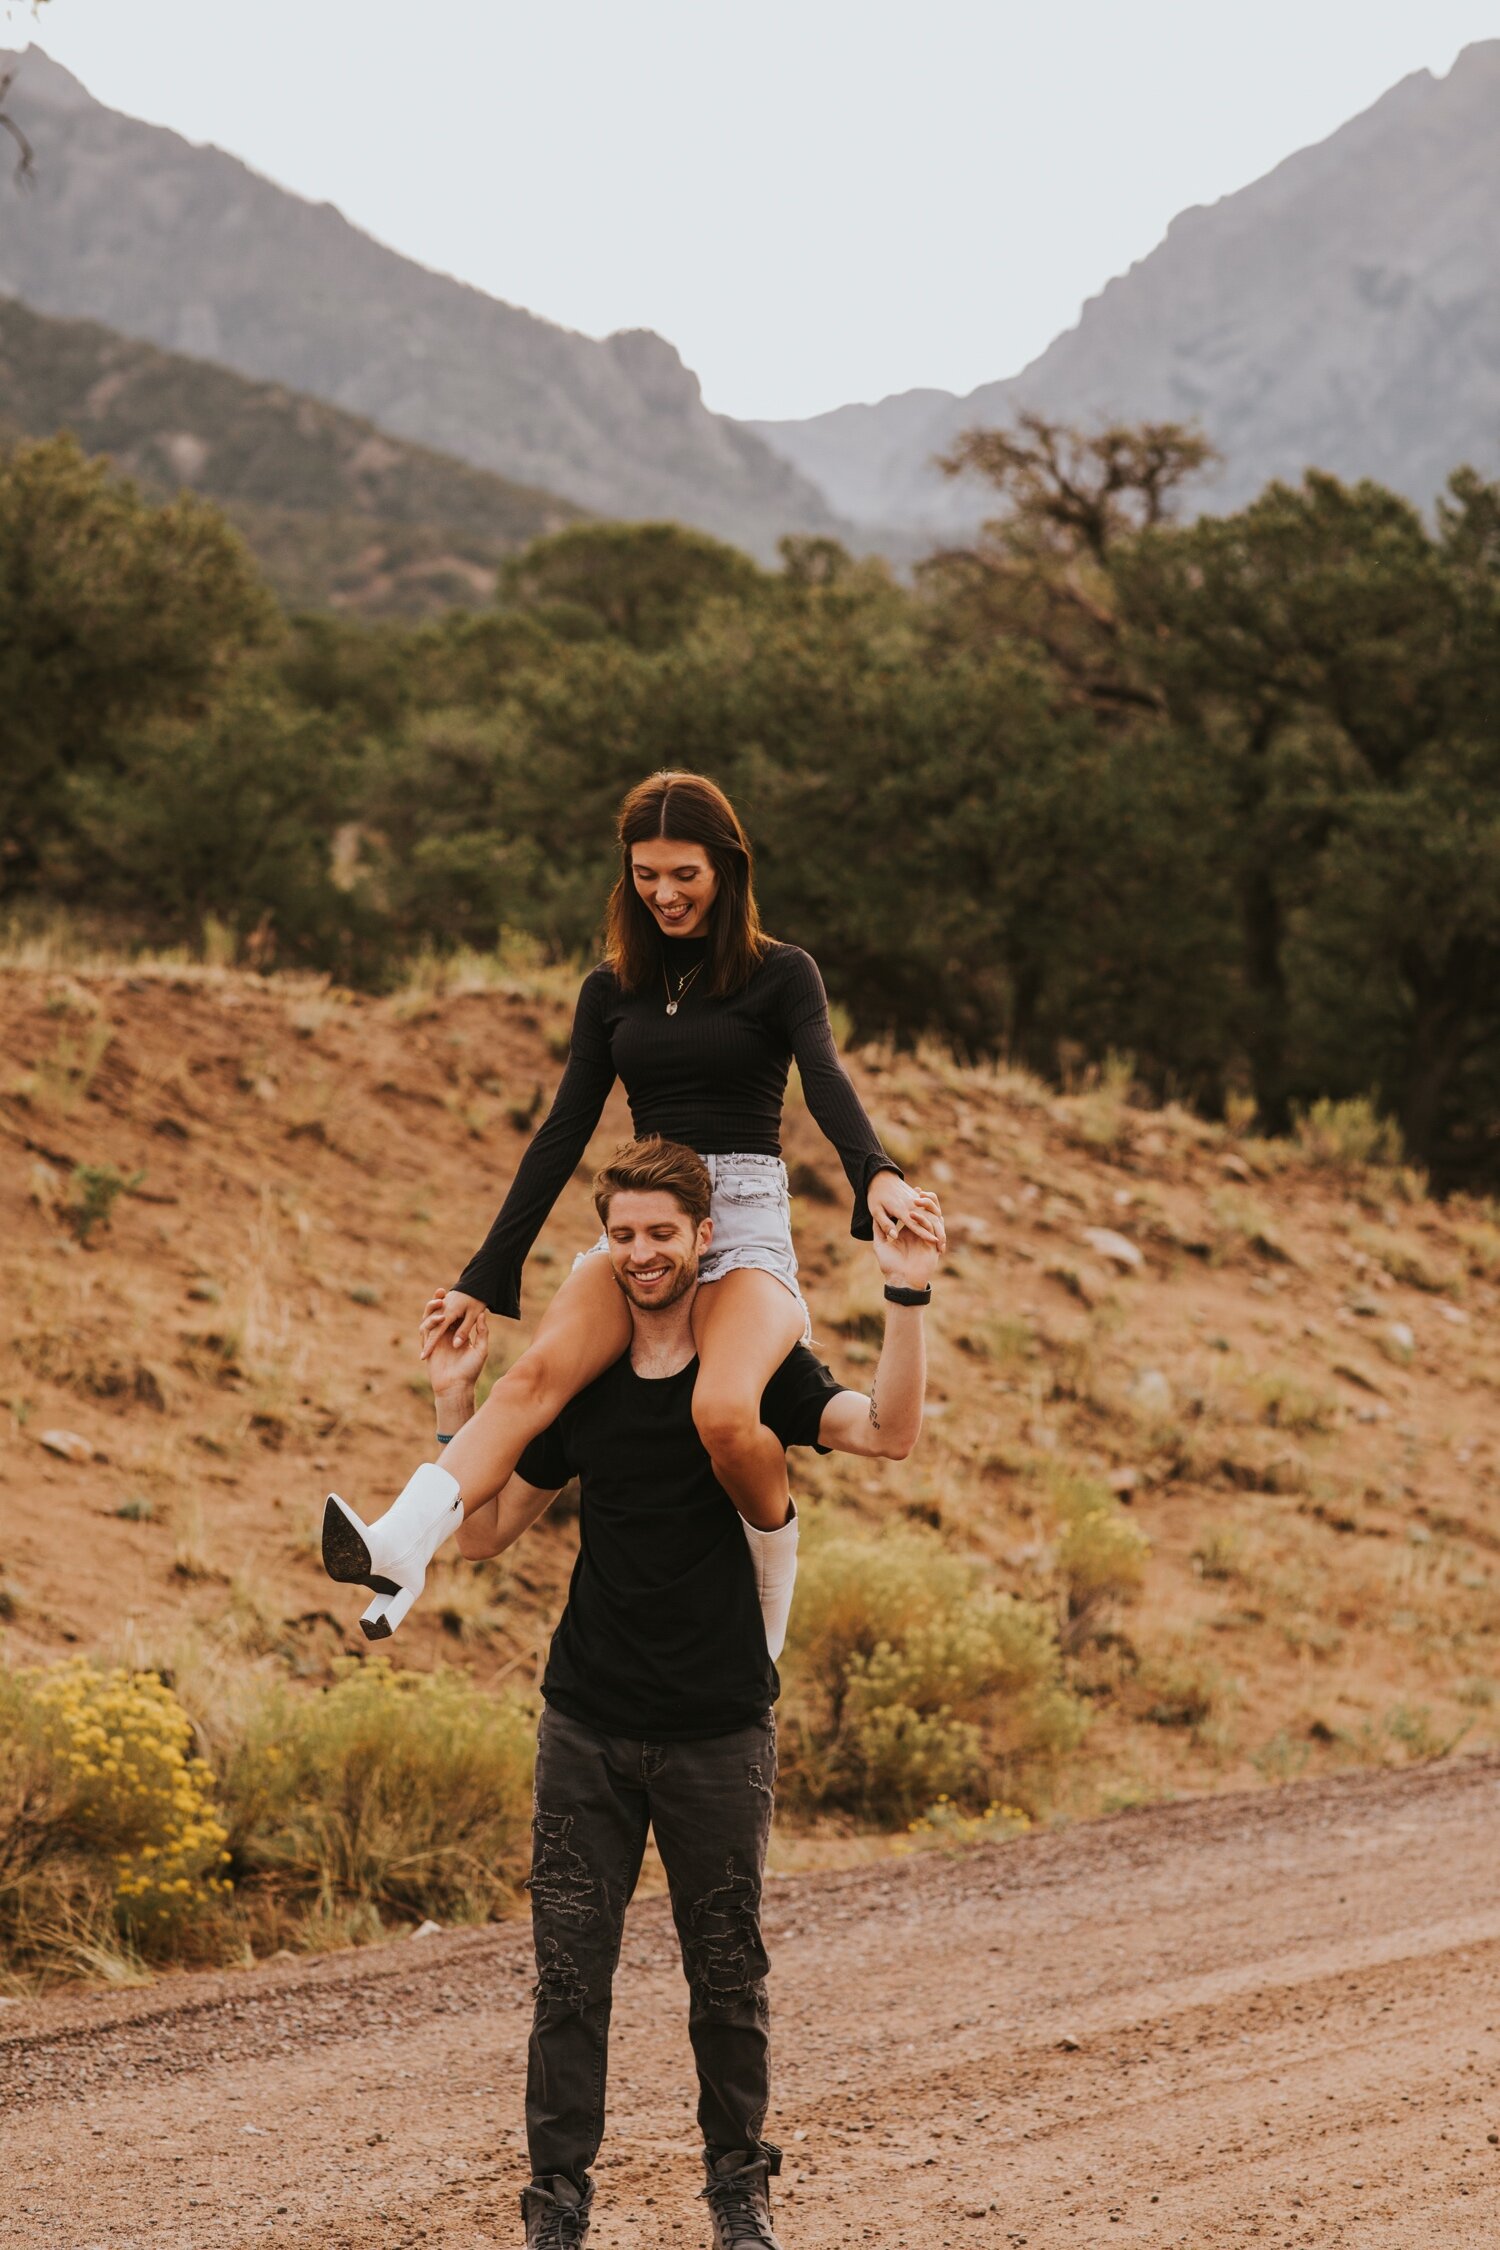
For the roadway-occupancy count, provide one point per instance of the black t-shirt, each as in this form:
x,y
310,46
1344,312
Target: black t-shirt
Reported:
x,y
662,1637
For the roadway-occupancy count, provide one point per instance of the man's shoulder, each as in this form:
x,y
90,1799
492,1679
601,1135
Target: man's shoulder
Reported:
x,y
556,1446
793,1401
800,1362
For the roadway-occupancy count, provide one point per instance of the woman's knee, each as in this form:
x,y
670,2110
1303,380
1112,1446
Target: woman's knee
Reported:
x,y
536,1387
726,1423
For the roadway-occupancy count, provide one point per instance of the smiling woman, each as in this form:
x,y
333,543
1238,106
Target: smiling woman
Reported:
x,y
700,1014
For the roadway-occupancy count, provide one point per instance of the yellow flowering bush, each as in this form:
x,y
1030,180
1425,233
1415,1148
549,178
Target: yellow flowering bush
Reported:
x,y
385,1797
135,1793
948,1827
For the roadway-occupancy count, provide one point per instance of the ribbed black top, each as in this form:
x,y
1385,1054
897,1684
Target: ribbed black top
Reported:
x,y
713,1076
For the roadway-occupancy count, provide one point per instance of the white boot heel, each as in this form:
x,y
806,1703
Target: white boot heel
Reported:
x,y
391,1555
385,1613
774,1556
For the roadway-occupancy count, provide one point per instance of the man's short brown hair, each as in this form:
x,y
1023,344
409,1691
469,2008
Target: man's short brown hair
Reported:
x,y
653,1164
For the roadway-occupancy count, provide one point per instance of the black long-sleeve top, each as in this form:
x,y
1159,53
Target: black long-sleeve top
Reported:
x,y
713,1076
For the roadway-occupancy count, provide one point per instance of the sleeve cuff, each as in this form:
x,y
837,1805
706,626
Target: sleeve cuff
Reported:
x,y
862,1226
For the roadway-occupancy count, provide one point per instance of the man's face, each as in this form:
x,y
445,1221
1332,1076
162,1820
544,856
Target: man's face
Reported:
x,y
654,1247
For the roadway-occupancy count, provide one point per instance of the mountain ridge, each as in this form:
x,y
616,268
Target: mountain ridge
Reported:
x,y
340,514
189,248
1308,318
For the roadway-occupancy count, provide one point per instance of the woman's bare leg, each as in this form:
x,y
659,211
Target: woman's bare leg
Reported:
x,y
584,1330
744,1327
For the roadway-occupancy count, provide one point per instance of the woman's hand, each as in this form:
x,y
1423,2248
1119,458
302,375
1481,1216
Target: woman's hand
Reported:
x,y
450,1308
454,1364
895,1204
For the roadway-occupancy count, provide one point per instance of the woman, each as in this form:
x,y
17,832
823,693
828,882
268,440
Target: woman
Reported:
x,y
701,1015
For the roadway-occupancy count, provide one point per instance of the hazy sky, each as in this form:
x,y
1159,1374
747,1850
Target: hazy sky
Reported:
x,y
816,200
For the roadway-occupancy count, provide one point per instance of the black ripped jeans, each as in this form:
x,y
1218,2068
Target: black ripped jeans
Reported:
x,y
710,1805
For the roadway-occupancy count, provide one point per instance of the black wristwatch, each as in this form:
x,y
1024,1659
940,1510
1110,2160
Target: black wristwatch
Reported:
x,y
897,1296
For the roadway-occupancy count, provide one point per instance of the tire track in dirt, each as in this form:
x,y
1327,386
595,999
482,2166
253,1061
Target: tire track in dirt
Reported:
x,y
1269,2019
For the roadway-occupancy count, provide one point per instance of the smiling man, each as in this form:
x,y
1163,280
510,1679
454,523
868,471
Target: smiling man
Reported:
x,y
660,1684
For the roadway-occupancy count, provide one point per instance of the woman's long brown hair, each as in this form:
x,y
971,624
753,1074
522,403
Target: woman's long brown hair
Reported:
x,y
690,810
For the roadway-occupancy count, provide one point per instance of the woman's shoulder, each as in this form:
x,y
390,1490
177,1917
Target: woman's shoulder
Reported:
x,y
599,994
789,968
788,983
785,961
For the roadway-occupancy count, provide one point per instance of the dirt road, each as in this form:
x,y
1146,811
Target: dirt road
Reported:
x,y
1286,2011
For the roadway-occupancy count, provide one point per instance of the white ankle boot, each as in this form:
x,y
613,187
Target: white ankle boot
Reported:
x,y
391,1556
774,1555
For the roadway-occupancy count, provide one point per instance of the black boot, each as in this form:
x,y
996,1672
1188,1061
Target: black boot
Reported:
x,y
557,2217
739,2200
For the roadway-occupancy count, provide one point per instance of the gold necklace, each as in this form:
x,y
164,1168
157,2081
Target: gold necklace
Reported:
x,y
674,1001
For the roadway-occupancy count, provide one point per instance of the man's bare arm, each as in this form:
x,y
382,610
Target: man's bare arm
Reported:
x,y
885,1422
498,1523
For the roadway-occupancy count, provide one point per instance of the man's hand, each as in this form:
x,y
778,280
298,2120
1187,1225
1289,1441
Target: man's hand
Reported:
x,y
907,1260
885,1422
895,1205
453,1367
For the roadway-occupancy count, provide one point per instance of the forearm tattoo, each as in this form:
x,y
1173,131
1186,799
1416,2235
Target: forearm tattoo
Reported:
x,y
874,1410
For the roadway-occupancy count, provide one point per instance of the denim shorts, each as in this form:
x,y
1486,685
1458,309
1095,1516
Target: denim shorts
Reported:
x,y
752,1216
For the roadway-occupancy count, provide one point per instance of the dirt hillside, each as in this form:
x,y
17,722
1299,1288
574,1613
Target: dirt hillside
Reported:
x,y
1284,1361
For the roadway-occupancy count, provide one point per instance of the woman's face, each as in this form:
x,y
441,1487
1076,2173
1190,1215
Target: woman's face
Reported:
x,y
677,882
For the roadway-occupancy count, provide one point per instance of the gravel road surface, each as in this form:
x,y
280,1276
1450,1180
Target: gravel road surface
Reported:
x,y
1256,2020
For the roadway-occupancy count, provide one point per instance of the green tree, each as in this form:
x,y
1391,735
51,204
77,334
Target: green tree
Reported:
x,y
1040,572
1339,658
113,613
231,813
644,583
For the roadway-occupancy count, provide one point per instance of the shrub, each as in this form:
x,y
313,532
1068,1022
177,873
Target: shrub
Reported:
x,y
110,1841
1178,1689
1101,1555
389,1792
1348,1136
1219,1552
1287,1403
913,1679
1100,1112
1480,1242
94,1189
1241,1225
944,1824
1405,1262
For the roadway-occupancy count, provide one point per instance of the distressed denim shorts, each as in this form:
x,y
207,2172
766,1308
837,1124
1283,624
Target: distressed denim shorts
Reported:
x,y
752,1216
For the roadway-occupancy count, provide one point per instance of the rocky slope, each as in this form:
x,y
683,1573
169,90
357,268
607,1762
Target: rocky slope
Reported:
x,y
189,248
1343,312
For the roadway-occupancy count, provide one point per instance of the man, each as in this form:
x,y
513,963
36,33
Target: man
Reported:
x,y
659,1687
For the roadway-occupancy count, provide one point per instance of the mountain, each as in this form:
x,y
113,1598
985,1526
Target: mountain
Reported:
x,y
340,514
1341,312
190,249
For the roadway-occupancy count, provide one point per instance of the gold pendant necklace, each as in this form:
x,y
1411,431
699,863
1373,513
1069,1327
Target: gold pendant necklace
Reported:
x,y
674,1000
